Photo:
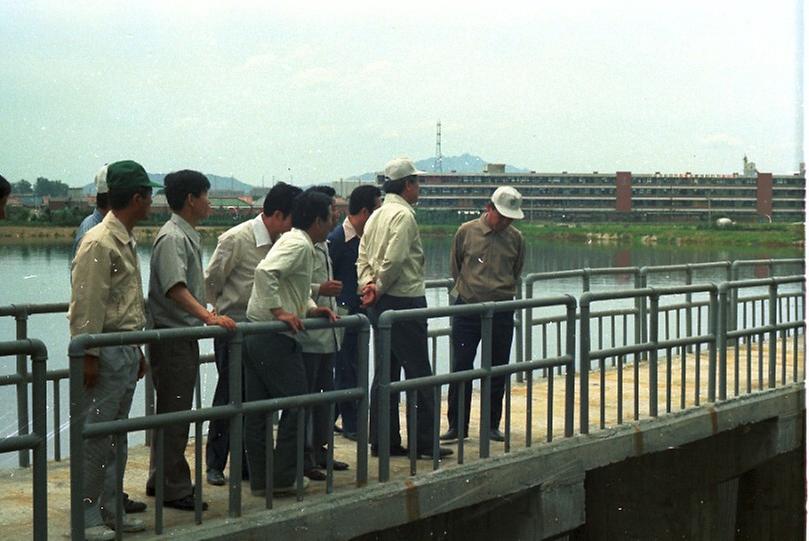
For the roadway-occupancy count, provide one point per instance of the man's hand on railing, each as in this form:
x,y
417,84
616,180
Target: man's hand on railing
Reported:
x,y
322,311
90,370
293,322
222,321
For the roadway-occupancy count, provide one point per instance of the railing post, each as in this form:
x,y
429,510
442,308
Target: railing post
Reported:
x,y
236,427
363,343
654,300
721,338
39,404
383,414
528,327
773,300
570,375
77,420
689,321
584,365
641,331
518,323
486,382
22,388
734,297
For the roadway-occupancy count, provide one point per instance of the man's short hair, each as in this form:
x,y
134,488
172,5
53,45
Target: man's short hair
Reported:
x,y
363,197
326,190
121,197
180,184
5,187
309,206
398,186
103,200
280,197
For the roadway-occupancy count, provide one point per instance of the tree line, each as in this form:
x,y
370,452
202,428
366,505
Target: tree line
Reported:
x,y
41,188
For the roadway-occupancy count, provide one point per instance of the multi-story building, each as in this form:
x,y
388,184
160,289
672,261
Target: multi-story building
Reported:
x,y
623,196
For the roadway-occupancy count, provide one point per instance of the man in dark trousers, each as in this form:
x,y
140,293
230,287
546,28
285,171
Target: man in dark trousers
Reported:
x,y
486,260
228,283
390,272
344,243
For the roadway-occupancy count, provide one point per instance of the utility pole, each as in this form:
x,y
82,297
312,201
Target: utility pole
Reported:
x,y
437,167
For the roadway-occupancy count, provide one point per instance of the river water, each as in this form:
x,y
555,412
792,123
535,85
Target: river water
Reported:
x,y
38,273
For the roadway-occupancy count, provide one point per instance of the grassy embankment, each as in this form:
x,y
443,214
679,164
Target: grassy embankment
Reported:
x,y
657,233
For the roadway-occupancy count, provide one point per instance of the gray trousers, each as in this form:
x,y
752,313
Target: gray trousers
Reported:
x,y
110,399
319,377
174,366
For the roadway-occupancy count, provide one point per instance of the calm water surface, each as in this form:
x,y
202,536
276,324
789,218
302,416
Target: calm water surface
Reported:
x,y
38,273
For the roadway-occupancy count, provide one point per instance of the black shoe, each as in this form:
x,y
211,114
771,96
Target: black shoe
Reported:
x,y
150,491
496,435
352,436
452,435
184,504
395,450
442,452
131,506
315,474
216,478
336,465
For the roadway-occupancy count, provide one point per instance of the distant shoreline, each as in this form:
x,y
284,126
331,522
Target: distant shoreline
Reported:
x,y
775,235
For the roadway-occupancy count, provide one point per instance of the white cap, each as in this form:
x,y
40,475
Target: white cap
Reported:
x,y
399,168
507,201
101,181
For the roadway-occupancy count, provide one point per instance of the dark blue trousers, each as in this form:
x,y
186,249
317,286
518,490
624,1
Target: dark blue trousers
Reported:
x,y
466,335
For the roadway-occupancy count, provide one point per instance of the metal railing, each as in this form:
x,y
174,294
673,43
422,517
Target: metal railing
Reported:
x,y
36,441
775,323
651,347
21,378
484,374
234,411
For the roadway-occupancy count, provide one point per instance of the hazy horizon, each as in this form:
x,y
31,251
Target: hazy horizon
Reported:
x,y
318,91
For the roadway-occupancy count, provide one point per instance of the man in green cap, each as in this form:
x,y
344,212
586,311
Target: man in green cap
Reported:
x,y
107,296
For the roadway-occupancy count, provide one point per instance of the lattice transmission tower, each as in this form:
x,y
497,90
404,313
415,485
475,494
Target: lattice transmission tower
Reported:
x,y
437,166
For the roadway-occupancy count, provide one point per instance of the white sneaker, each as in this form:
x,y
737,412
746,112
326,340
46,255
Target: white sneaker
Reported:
x,y
99,533
130,525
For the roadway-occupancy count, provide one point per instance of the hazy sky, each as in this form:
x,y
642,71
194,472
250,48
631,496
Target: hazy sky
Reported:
x,y
321,91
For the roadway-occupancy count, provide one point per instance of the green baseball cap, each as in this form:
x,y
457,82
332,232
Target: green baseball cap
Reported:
x,y
128,174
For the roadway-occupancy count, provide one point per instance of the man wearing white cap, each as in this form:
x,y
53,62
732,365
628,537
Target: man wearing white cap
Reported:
x,y
390,276
102,207
486,260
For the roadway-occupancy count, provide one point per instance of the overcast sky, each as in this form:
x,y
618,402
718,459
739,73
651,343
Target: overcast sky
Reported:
x,y
322,91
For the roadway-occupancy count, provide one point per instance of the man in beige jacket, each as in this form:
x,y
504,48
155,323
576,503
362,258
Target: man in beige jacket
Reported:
x,y
390,271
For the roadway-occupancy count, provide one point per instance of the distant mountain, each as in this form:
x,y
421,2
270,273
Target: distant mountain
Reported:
x,y
465,163
217,184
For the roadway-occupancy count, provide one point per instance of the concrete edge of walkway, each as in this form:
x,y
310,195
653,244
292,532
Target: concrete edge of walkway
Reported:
x,y
564,461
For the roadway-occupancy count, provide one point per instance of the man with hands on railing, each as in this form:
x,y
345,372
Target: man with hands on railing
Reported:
x,y
273,366
390,273
177,299
228,283
107,296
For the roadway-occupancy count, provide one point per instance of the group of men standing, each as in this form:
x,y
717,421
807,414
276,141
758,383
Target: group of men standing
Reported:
x,y
290,262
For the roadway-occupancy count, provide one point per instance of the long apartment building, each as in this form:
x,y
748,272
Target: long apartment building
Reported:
x,y
624,196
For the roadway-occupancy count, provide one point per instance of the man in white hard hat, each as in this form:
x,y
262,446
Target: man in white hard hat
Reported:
x,y
102,207
486,260
390,275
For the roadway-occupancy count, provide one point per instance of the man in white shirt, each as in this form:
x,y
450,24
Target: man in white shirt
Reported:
x,y
273,365
228,283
